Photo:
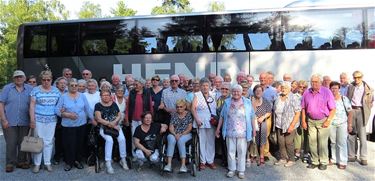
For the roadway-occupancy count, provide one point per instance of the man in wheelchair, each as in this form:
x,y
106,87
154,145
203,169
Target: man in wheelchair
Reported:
x,y
146,139
179,131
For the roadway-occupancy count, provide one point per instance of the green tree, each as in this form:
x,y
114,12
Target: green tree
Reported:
x,y
13,13
172,7
90,10
215,6
122,10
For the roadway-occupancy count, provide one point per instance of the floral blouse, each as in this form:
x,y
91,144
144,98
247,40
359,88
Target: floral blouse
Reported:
x,y
236,120
289,107
181,124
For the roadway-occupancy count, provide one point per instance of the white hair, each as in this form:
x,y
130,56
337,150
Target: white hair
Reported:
x,y
236,87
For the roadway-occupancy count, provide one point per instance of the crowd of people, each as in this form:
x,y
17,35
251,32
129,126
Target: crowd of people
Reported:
x,y
238,121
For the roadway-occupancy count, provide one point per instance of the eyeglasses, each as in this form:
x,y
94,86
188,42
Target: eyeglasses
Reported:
x,y
179,107
67,74
224,89
155,79
73,85
85,73
46,80
174,80
358,77
32,82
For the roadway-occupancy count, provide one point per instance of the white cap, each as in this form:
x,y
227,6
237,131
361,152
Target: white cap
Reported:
x,y
18,73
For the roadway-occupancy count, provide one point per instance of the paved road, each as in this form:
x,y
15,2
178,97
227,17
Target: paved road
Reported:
x,y
268,172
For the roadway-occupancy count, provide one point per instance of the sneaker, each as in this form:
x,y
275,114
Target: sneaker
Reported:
x,y
290,163
230,174
124,164
36,169
241,175
49,168
168,168
183,169
108,165
281,162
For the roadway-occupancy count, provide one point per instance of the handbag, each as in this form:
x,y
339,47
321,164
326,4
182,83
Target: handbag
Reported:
x,y
273,134
110,131
32,144
214,120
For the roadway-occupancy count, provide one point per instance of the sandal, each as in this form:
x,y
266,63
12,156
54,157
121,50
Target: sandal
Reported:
x,y
261,161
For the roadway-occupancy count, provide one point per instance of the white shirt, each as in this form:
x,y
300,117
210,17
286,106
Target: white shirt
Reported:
x,y
358,94
92,99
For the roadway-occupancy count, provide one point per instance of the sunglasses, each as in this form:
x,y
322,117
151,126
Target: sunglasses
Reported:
x,y
224,89
155,79
358,77
73,85
174,80
179,107
85,73
67,74
46,80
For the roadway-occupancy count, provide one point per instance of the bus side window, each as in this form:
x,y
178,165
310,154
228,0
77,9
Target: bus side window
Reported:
x,y
35,41
64,39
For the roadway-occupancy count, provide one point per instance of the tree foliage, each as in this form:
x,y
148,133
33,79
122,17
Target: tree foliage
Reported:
x,y
90,10
13,13
122,10
215,6
172,7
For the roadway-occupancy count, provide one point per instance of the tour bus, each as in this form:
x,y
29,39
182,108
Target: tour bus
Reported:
x,y
298,40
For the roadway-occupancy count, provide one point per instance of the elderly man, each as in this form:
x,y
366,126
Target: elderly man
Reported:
x,y
218,81
171,95
86,75
361,96
326,81
211,77
287,77
15,120
318,108
344,84
67,73
241,76
270,77
227,78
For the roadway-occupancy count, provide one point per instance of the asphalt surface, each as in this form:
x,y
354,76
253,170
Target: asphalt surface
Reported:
x,y
299,171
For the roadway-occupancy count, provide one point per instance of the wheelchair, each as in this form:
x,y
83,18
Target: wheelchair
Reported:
x,y
192,153
96,145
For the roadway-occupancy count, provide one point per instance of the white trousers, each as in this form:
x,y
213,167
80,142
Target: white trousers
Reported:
x,y
239,146
46,131
109,144
154,157
207,145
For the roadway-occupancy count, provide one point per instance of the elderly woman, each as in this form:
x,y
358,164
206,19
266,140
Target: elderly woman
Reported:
x,y
108,114
220,142
74,108
31,80
92,95
287,112
82,85
61,86
120,101
263,110
42,106
145,139
179,131
156,92
105,85
340,127
238,128
166,83
203,106
301,145
190,96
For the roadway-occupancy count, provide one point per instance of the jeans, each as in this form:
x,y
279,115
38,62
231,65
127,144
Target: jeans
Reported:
x,y
239,146
109,144
46,131
339,147
180,144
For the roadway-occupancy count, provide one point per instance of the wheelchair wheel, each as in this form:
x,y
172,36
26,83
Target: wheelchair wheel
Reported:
x,y
162,157
196,158
193,170
97,165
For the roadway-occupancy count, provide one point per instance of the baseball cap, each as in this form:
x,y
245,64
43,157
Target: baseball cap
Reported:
x,y
18,73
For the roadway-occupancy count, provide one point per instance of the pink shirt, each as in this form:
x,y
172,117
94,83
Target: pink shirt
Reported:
x,y
317,105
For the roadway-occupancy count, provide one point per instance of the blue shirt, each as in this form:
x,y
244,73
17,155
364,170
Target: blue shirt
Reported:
x,y
79,106
16,104
170,97
249,117
270,94
45,103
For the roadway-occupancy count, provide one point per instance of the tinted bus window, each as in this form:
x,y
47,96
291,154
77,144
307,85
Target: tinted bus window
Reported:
x,y
323,29
172,34
106,37
35,41
64,39
371,28
241,32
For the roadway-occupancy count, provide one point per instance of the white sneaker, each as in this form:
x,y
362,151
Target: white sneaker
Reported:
x,y
241,175
108,164
168,168
124,164
36,169
183,169
230,174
